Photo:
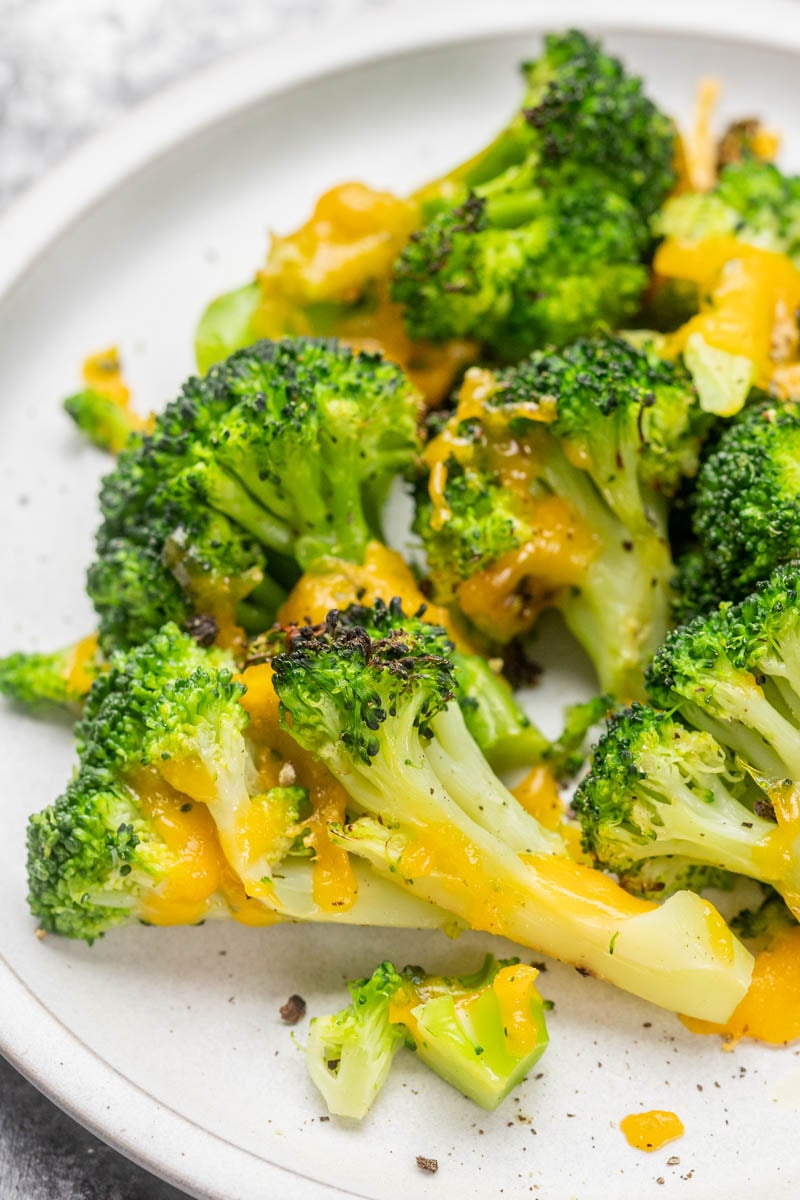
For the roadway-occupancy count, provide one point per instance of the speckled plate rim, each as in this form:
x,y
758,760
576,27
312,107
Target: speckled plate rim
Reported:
x,y
33,1038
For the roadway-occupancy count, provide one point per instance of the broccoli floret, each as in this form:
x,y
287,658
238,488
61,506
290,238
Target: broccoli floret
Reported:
x,y
539,238
657,788
547,487
59,679
282,453
753,202
481,1033
378,711
746,505
694,590
521,270
736,674
168,818
103,421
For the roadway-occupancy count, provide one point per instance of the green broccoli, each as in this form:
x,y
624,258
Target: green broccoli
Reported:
x,y
167,820
657,788
482,1033
280,454
374,704
59,679
745,507
505,735
518,270
555,478
539,238
735,673
753,201
102,420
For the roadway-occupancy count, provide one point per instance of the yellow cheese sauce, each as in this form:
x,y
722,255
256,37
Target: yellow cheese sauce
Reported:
x,y
334,882
80,668
651,1130
770,1011
383,575
102,373
515,989
751,298
538,795
343,255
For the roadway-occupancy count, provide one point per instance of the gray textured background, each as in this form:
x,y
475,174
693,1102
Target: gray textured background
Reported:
x,y
68,68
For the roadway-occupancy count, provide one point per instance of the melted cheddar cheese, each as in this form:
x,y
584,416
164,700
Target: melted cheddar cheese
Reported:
x,y
334,882
343,255
515,989
651,1130
538,795
80,668
752,296
770,1011
383,575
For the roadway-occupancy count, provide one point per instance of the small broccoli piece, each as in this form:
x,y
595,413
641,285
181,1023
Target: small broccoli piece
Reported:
x,y
375,705
104,422
282,453
169,819
657,788
753,202
746,505
547,487
349,1054
481,1033
694,588
736,674
59,679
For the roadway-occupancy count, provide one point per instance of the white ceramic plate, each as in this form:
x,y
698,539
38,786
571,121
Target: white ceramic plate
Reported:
x,y
168,1043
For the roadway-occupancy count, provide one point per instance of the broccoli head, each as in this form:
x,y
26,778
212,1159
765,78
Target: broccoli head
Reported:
x,y
746,504
178,811
282,453
375,702
548,486
524,269
539,238
667,804
735,673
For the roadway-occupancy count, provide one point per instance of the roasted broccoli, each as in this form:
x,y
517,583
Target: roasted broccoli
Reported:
x,y
282,453
745,508
752,201
657,788
481,1033
547,487
176,814
104,422
59,679
712,778
539,238
373,702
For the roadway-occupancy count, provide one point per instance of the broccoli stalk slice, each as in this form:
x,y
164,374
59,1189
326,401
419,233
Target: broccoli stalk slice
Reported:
x,y
659,789
505,735
369,708
666,954
460,1028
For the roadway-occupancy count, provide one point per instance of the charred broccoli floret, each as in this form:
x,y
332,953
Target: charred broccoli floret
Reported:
x,y
539,238
282,453
169,818
375,705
